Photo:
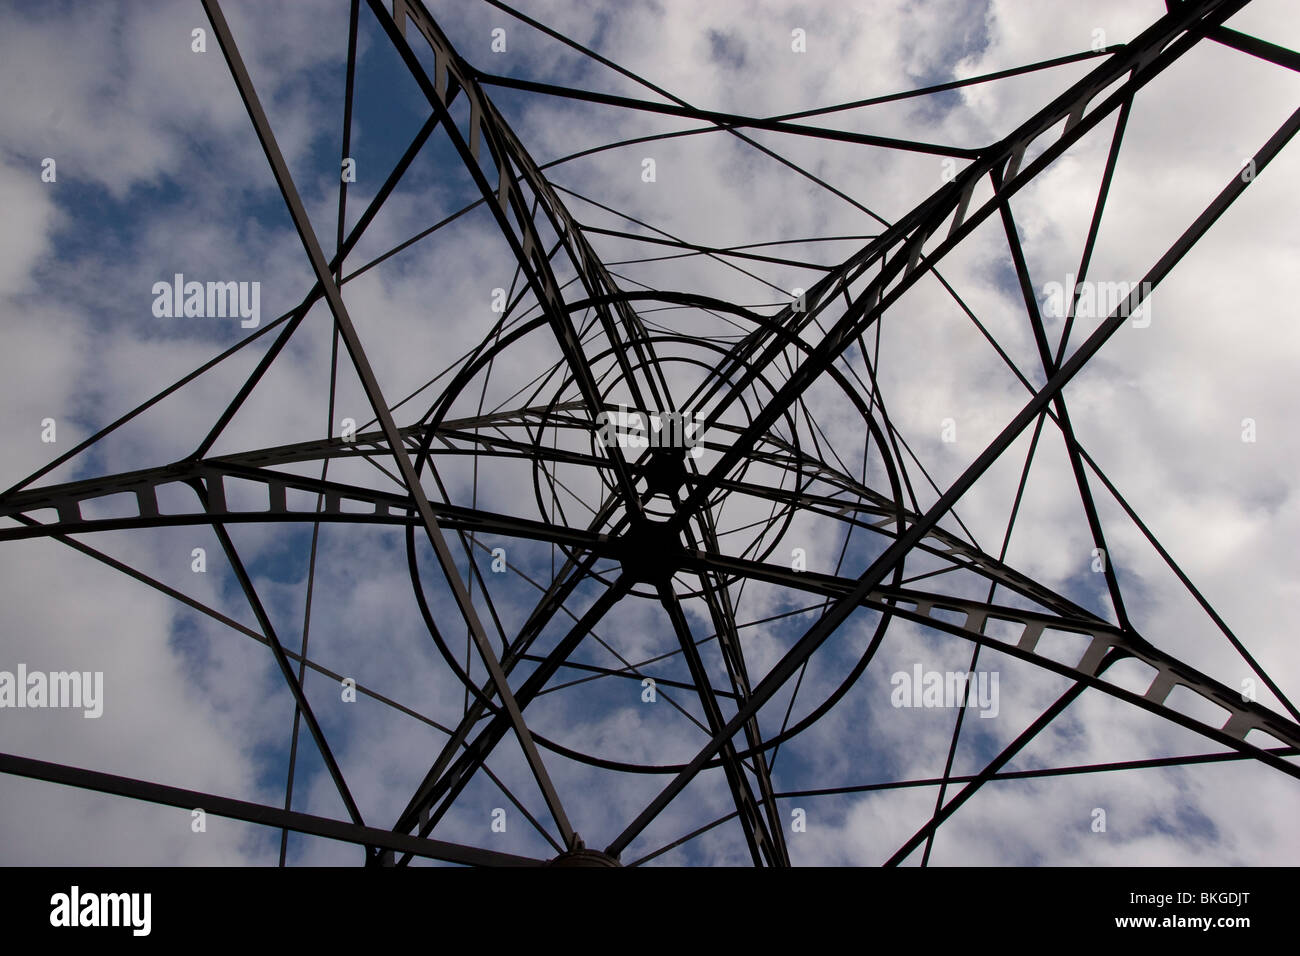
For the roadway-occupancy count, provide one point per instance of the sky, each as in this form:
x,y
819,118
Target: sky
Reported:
x,y
157,171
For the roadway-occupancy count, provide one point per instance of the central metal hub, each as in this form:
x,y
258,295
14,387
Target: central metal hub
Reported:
x,y
665,472
584,857
650,551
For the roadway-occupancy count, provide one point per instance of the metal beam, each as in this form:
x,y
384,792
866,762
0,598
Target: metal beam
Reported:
x,y
375,395
256,813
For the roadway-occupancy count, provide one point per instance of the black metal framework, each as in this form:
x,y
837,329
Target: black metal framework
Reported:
x,y
657,526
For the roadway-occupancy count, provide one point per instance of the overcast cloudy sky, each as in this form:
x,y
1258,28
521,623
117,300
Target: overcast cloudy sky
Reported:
x,y
158,171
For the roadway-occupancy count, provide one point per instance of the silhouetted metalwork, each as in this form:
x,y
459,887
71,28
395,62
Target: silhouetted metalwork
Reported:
x,y
653,533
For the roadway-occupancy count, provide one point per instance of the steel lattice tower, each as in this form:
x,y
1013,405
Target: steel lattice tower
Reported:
x,y
657,539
